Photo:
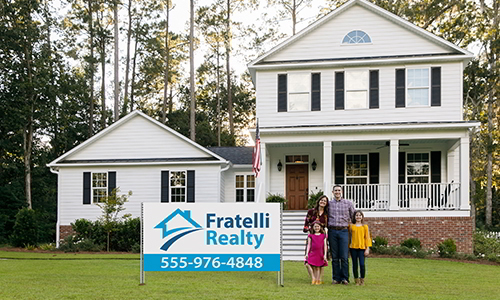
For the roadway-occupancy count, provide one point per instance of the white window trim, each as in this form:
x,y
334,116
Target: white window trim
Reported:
x,y
416,88
92,188
355,44
367,168
170,193
309,73
245,188
429,162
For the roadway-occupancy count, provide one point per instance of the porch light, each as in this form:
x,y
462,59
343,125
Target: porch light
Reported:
x,y
314,165
280,166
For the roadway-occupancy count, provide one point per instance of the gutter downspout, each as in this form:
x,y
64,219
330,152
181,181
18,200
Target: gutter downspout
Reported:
x,y
228,165
55,170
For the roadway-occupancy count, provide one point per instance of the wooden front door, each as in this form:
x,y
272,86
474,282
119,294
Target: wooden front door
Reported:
x,y
297,186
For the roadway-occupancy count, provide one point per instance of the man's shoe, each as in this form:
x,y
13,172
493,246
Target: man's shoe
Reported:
x,y
345,282
335,282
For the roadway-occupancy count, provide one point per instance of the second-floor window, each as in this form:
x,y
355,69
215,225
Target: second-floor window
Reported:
x,y
418,87
299,91
356,89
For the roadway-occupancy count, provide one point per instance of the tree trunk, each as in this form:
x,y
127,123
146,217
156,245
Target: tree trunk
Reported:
x,y
166,59
117,63
192,127
228,69
103,83
28,145
134,61
294,17
91,60
127,62
217,92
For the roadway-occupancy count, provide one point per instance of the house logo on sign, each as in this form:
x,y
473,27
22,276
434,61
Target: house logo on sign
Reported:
x,y
183,225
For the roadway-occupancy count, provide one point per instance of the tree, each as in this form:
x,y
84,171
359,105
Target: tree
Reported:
x,y
111,209
290,8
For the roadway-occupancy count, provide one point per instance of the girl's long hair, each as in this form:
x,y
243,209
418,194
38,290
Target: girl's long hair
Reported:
x,y
321,230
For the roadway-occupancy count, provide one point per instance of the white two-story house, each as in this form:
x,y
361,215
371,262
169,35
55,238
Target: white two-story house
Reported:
x,y
360,98
369,101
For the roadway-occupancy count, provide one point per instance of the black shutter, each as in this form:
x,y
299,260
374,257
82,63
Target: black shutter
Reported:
x,y
339,90
400,88
316,92
436,86
374,89
86,188
282,92
436,166
190,186
339,168
165,188
402,167
374,167
111,182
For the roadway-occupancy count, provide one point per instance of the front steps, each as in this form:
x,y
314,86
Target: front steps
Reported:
x,y
294,240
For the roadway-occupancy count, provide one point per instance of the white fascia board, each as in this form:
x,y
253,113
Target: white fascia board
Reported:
x,y
416,214
357,62
374,127
241,166
136,164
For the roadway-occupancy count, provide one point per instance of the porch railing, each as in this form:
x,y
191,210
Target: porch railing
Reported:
x,y
429,196
368,196
411,196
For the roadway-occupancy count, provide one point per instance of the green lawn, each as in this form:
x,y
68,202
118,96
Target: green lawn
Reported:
x,y
94,276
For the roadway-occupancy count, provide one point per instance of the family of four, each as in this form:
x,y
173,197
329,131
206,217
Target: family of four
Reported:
x,y
346,231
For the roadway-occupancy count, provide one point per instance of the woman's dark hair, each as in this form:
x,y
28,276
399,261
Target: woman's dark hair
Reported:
x,y
316,207
354,216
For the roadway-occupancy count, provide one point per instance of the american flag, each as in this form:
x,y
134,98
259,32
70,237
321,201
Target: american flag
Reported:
x,y
256,153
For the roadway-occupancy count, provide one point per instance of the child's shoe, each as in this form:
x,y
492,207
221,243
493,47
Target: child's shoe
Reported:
x,y
313,282
358,281
361,281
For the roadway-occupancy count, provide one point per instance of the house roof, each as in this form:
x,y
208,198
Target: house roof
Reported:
x,y
456,52
205,155
236,155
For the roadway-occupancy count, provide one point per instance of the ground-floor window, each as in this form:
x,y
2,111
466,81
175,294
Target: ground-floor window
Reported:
x,y
418,168
99,187
245,187
178,186
356,169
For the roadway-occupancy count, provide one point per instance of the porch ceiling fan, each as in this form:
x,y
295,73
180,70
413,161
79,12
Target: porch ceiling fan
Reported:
x,y
388,143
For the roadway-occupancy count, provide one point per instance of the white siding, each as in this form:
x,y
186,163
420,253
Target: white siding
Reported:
x,y
143,181
138,138
450,109
388,39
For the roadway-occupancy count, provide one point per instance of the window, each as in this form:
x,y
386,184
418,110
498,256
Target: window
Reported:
x,y
356,37
417,168
99,187
297,158
298,91
178,186
418,87
245,188
356,168
356,85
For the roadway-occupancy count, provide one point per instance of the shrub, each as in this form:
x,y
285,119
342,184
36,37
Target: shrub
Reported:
x,y
276,198
412,243
313,198
380,241
74,244
25,231
486,247
47,247
447,248
127,235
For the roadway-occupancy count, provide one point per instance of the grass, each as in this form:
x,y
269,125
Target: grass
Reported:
x,y
116,276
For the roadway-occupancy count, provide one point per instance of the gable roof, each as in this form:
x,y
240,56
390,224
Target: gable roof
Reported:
x,y
456,53
236,155
197,154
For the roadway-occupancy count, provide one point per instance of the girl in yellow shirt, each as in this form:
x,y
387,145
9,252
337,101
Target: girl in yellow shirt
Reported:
x,y
360,246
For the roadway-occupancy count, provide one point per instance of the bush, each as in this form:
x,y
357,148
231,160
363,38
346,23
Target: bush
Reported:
x,y
447,248
380,241
48,247
276,198
25,231
313,198
127,235
486,247
75,244
411,243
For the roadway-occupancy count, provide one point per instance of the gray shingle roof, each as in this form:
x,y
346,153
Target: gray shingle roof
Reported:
x,y
236,155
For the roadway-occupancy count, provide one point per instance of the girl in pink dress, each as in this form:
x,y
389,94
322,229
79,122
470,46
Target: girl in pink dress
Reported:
x,y
316,252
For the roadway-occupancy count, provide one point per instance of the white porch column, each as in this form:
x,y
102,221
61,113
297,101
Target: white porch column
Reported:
x,y
327,168
393,174
464,173
261,181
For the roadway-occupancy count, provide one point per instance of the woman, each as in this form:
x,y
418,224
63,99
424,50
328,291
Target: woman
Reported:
x,y
317,214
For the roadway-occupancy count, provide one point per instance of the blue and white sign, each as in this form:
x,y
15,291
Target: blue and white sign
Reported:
x,y
211,236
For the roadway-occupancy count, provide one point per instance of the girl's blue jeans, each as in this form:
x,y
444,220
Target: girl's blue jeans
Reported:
x,y
358,255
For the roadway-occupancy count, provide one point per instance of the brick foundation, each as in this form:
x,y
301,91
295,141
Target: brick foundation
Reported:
x,y
64,231
429,230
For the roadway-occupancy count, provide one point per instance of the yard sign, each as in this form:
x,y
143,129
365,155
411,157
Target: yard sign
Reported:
x,y
211,237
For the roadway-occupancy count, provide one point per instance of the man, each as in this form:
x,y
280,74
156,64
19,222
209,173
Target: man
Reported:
x,y
340,213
